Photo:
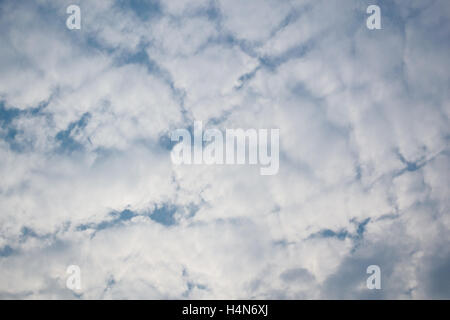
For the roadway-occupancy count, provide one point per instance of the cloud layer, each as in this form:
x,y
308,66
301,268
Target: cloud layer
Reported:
x,y
86,175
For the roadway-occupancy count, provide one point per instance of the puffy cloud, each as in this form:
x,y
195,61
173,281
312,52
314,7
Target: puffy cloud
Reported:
x,y
86,176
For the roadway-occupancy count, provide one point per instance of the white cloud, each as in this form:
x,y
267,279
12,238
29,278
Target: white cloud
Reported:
x,y
363,118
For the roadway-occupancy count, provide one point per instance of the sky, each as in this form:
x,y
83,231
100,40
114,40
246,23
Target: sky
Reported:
x,y
86,176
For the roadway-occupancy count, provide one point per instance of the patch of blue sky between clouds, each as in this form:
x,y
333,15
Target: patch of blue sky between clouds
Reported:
x,y
65,137
163,214
343,234
9,131
6,251
144,9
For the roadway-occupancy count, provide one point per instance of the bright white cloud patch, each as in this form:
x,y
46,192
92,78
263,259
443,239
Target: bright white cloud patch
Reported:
x,y
86,177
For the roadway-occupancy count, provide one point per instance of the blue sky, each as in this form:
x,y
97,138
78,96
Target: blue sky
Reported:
x,y
85,170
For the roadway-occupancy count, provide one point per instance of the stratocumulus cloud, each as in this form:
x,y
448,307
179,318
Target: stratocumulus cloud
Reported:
x,y
86,116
